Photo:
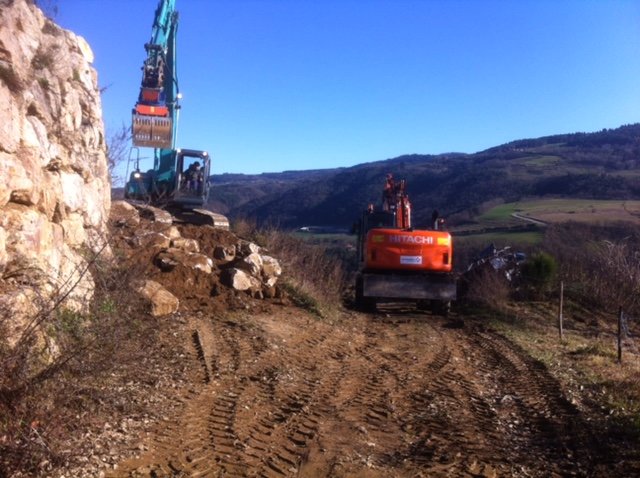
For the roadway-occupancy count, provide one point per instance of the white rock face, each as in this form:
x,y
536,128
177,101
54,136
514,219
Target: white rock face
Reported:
x,y
54,181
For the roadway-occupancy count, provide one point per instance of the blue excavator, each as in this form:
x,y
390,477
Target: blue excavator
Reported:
x,y
178,182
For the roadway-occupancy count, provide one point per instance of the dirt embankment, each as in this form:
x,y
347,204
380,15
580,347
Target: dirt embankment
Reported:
x,y
281,393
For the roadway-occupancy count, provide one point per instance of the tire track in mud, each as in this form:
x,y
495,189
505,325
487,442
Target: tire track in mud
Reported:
x,y
547,421
202,441
371,395
451,424
366,402
289,419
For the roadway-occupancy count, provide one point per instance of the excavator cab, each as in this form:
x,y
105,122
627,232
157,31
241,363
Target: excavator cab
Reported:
x,y
192,179
180,179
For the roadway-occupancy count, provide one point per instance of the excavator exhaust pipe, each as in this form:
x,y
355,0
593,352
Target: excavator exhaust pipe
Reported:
x,y
152,131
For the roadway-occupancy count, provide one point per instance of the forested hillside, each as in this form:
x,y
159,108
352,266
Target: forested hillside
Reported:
x,y
602,165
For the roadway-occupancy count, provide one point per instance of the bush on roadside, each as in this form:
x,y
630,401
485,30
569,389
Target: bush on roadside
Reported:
x,y
538,274
488,288
599,265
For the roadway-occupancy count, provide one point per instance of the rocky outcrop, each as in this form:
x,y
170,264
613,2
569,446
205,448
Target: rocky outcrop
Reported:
x,y
54,181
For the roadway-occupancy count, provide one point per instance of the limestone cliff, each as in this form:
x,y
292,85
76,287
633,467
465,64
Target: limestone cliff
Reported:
x,y
54,181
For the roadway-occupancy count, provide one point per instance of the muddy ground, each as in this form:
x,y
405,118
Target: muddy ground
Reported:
x,y
281,393
235,386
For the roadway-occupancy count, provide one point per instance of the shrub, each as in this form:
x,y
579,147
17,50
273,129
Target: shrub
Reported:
x,y
538,273
600,265
488,288
43,60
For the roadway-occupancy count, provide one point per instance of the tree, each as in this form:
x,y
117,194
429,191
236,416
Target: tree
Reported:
x,y
117,148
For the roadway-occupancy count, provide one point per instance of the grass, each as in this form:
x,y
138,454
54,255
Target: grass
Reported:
x,y
326,238
543,161
563,210
585,361
500,214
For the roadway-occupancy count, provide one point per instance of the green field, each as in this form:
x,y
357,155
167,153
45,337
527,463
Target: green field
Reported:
x,y
548,211
563,210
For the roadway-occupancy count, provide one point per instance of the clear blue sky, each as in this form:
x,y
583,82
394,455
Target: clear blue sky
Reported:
x,y
273,85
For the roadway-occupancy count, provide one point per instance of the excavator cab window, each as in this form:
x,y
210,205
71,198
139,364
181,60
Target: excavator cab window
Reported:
x,y
192,177
379,219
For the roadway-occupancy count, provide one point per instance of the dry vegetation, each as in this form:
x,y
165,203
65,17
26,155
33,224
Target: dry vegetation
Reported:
x,y
313,278
68,369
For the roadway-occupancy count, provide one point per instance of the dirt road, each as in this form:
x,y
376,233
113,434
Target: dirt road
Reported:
x,y
397,393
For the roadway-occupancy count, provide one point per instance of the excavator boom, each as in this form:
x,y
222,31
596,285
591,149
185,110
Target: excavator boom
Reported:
x,y
153,120
179,180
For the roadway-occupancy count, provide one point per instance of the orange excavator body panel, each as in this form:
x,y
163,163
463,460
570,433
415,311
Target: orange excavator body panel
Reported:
x,y
408,250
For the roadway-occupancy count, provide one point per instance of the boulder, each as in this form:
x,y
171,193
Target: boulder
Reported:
x,y
185,244
224,254
151,239
240,280
271,270
171,257
124,214
246,248
162,301
172,232
251,264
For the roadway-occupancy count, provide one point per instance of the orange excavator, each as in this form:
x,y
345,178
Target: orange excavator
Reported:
x,y
398,262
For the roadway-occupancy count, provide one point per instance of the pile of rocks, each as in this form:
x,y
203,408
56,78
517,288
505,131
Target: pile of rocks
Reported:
x,y
240,265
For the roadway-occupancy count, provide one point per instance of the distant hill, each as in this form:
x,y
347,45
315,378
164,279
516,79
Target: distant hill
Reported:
x,y
601,165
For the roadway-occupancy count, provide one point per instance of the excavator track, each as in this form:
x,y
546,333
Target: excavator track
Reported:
x,y
181,216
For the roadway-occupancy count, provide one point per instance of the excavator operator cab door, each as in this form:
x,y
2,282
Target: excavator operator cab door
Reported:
x,y
192,178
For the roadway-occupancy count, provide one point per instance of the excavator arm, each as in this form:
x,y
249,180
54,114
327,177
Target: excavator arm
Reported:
x,y
179,180
153,117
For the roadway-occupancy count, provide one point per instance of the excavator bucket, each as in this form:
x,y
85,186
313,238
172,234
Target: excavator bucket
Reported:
x,y
152,131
